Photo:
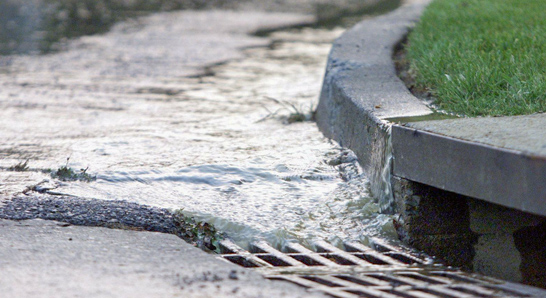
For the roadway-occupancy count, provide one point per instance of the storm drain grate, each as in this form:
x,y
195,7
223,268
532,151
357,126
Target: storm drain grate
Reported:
x,y
384,271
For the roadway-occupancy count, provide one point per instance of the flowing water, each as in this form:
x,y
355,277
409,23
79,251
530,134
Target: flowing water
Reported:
x,y
232,146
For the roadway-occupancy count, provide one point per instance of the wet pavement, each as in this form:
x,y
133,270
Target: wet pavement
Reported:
x,y
161,135
136,109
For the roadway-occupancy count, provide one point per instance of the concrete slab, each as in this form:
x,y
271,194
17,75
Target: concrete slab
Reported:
x,y
501,160
526,134
52,259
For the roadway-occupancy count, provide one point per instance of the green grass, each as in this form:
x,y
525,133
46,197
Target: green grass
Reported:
x,y
481,57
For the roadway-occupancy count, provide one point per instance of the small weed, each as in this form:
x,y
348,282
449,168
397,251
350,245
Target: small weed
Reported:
x,y
20,167
201,233
65,173
296,114
296,117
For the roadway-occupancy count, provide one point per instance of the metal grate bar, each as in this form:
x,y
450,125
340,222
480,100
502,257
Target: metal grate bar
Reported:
x,y
325,246
276,255
345,285
359,247
447,292
397,280
419,294
307,253
363,280
312,285
396,252
242,257
451,276
428,279
374,293
228,247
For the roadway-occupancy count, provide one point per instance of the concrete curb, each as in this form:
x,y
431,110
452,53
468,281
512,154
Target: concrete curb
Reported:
x,y
361,90
424,172
470,166
472,157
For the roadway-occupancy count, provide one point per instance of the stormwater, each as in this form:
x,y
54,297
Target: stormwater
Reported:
x,y
232,146
234,160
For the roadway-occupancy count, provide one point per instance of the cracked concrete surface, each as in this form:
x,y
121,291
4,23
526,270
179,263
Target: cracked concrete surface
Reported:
x,y
53,259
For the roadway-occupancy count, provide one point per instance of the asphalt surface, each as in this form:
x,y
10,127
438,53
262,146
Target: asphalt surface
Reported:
x,y
99,213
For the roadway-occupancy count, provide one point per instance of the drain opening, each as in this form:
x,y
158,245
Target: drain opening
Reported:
x,y
361,271
307,260
256,248
275,261
371,259
241,261
339,259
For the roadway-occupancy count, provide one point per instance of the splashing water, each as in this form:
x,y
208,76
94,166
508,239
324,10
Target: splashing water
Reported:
x,y
217,146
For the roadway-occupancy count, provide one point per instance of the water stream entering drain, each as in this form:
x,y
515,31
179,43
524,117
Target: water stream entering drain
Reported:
x,y
219,146
254,175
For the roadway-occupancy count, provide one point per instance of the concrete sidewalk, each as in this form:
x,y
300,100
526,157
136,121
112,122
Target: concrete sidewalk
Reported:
x,y
41,258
